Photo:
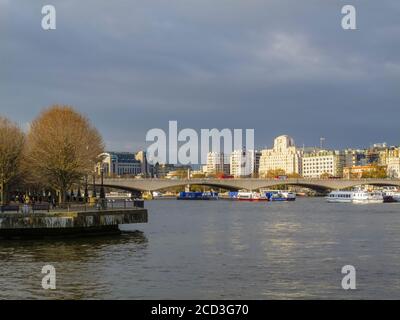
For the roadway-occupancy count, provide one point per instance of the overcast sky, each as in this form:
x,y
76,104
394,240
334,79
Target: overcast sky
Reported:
x,y
280,67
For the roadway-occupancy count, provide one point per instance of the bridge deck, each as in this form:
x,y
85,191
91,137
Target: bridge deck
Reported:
x,y
249,184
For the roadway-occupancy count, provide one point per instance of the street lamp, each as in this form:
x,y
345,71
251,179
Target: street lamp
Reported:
x,y
102,193
94,186
2,192
103,203
86,189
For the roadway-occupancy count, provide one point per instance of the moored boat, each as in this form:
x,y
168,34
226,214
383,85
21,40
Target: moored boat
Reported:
x,y
197,195
251,196
388,199
340,197
391,195
367,197
277,195
358,196
289,196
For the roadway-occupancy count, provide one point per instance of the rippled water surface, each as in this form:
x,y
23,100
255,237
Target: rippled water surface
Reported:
x,y
220,250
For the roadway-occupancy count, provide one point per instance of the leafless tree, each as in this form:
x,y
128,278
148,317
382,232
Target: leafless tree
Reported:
x,y
62,148
12,141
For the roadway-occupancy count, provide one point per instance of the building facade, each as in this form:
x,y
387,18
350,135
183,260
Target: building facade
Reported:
x,y
166,170
393,163
161,170
120,163
217,162
359,172
323,163
377,153
355,157
145,166
284,155
244,163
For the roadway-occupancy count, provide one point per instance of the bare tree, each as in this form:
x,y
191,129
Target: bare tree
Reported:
x,y
11,152
62,148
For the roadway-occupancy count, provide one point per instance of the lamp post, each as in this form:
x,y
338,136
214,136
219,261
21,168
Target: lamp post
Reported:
x,y
102,193
2,195
86,192
79,195
72,195
94,186
2,191
103,203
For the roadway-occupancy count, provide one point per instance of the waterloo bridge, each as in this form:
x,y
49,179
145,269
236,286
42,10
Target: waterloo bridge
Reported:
x,y
322,185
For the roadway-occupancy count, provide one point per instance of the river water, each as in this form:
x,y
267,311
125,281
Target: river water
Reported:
x,y
220,250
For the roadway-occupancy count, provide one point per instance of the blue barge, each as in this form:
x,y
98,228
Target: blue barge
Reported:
x,y
197,196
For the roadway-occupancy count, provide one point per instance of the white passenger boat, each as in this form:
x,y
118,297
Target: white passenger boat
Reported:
x,y
289,196
358,196
251,196
340,196
367,197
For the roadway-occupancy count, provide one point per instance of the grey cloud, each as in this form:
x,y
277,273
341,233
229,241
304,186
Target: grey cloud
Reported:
x,y
276,66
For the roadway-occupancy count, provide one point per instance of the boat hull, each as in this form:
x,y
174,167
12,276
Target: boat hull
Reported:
x,y
282,199
388,199
205,198
276,195
339,201
368,201
253,200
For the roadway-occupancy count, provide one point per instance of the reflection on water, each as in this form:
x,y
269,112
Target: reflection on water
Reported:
x,y
219,249
67,249
81,264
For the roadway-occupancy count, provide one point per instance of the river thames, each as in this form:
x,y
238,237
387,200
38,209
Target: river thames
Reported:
x,y
220,250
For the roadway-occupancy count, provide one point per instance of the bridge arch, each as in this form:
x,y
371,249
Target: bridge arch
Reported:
x,y
123,188
206,184
315,187
176,185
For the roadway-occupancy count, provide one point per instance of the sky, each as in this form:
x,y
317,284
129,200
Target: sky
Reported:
x,y
279,67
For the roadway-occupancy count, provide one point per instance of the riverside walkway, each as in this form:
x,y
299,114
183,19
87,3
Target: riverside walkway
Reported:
x,y
62,223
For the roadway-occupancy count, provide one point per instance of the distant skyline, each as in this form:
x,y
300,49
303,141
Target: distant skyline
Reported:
x,y
279,66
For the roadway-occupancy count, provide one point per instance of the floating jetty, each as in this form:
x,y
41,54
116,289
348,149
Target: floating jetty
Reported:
x,y
68,224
